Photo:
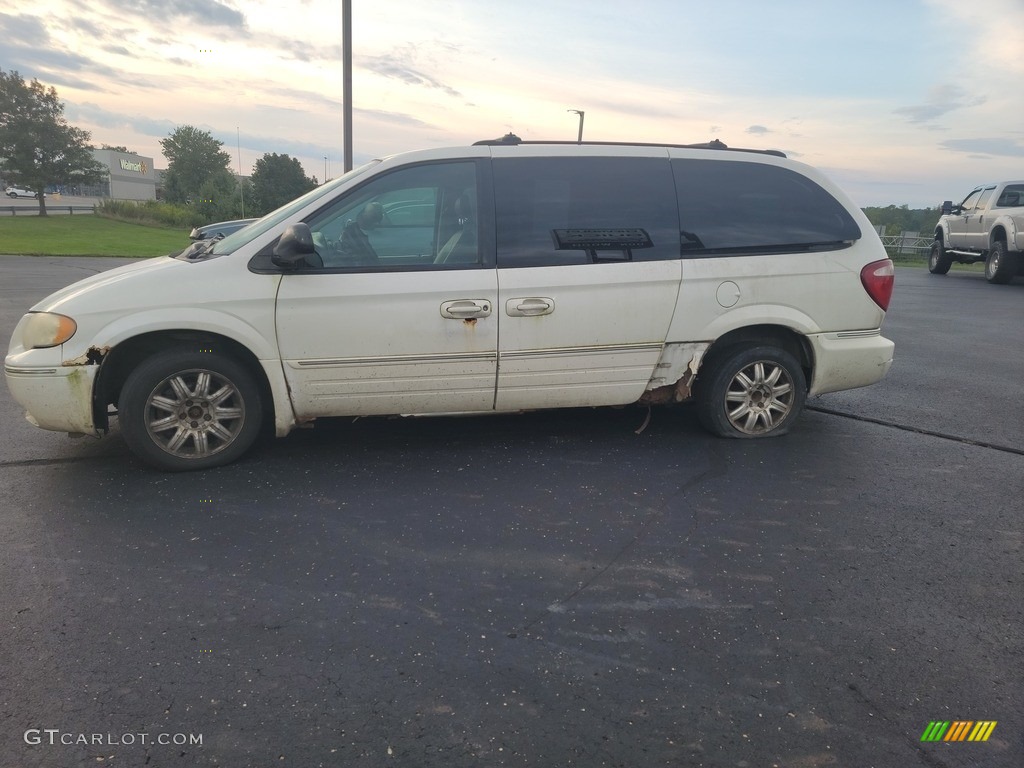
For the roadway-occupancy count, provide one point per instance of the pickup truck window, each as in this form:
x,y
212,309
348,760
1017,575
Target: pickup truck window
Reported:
x,y
970,202
985,195
741,208
1012,197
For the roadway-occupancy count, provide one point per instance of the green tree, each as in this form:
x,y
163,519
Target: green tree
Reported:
x,y
118,148
902,218
194,158
220,199
276,180
38,148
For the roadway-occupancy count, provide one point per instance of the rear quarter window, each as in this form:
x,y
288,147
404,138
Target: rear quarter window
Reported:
x,y
736,208
1011,197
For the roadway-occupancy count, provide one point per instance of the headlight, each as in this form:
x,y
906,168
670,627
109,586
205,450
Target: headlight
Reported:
x,y
47,329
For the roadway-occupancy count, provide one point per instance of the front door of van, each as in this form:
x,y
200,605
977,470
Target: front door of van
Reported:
x,y
399,314
588,275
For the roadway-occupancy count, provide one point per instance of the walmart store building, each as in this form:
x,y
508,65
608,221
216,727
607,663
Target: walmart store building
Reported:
x,y
129,177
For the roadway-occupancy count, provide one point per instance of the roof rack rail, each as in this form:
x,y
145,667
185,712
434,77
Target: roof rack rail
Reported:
x,y
510,139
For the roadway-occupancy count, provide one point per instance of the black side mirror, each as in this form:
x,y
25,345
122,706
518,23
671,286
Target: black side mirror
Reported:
x,y
295,244
947,207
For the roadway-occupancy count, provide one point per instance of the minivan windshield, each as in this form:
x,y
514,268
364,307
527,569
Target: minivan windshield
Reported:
x,y
236,240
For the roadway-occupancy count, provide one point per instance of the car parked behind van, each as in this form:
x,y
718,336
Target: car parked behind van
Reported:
x,y
218,229
505,276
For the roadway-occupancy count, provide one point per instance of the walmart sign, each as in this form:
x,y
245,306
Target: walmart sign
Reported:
x,y
131,165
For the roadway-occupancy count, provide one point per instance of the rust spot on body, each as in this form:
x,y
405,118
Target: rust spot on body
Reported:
x,y
679,392
470,321
91,356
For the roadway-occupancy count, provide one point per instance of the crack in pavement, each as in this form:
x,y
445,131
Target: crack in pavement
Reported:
x,y
917,430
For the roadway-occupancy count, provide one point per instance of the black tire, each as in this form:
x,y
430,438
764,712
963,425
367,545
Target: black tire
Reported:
x,y
1001,265
183,409
751,392
938,262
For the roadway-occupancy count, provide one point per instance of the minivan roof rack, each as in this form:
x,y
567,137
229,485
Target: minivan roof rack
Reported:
x,y
510,139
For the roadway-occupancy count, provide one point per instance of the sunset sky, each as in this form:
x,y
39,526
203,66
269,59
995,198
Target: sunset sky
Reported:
x,y
907,102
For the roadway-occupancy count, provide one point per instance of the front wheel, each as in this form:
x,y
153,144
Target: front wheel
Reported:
x,y
751,392
1001,265
185,409
938,262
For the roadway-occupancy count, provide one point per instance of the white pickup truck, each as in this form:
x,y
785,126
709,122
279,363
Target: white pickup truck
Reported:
x,y
987,226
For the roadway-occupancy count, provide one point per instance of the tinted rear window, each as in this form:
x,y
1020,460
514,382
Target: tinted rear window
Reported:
x,y
728,207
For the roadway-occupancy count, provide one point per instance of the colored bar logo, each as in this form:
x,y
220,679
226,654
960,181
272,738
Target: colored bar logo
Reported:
x,y
958,730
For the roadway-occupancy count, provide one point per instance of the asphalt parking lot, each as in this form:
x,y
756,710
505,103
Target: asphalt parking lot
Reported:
x,y
551,589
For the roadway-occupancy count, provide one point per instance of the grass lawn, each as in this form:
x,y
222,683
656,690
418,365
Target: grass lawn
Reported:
x,y
85,235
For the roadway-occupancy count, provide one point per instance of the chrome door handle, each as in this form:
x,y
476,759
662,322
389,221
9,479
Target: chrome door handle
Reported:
x,y
529,307
461,309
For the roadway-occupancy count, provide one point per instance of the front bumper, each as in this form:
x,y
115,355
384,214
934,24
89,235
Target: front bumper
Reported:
x,y
57,398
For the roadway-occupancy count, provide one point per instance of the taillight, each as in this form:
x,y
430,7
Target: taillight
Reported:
x,y
878,277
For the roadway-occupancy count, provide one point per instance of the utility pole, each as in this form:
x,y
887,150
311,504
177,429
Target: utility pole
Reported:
x,y
579,139
346,47
241,181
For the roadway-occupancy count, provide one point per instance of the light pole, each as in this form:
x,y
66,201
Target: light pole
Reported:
x,y
579,139
325,169
346,86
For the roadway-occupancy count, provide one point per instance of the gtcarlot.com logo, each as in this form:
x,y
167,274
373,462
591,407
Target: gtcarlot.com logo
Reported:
x,y
959,730
57,737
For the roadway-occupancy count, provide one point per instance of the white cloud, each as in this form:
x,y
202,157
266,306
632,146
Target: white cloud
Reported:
x,y
942,99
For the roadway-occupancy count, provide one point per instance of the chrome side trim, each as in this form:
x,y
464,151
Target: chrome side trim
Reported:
x,y
858,334
15,370
485,357
575,351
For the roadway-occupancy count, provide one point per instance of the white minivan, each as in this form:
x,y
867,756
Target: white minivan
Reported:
x,y
505,276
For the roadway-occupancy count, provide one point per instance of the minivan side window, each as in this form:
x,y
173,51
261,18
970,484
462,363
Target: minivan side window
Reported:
x,y
420,217
744,208
553,211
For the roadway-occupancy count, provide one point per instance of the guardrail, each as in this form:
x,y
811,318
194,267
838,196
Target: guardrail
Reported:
x,y
33,210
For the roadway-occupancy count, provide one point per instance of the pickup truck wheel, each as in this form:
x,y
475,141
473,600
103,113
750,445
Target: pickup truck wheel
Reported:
x,y
1001,265
938,262
183,409
751,391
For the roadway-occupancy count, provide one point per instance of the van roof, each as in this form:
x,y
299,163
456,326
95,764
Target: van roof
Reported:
x,y
510,139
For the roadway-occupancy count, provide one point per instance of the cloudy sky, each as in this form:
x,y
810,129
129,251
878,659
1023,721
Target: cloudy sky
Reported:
x,y
907,102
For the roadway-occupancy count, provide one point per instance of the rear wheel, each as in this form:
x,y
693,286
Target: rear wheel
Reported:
x,y
1001,265
184,409
751,392
938,262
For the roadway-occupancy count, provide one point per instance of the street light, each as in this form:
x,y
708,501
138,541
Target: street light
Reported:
x,y
579,139
346,80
